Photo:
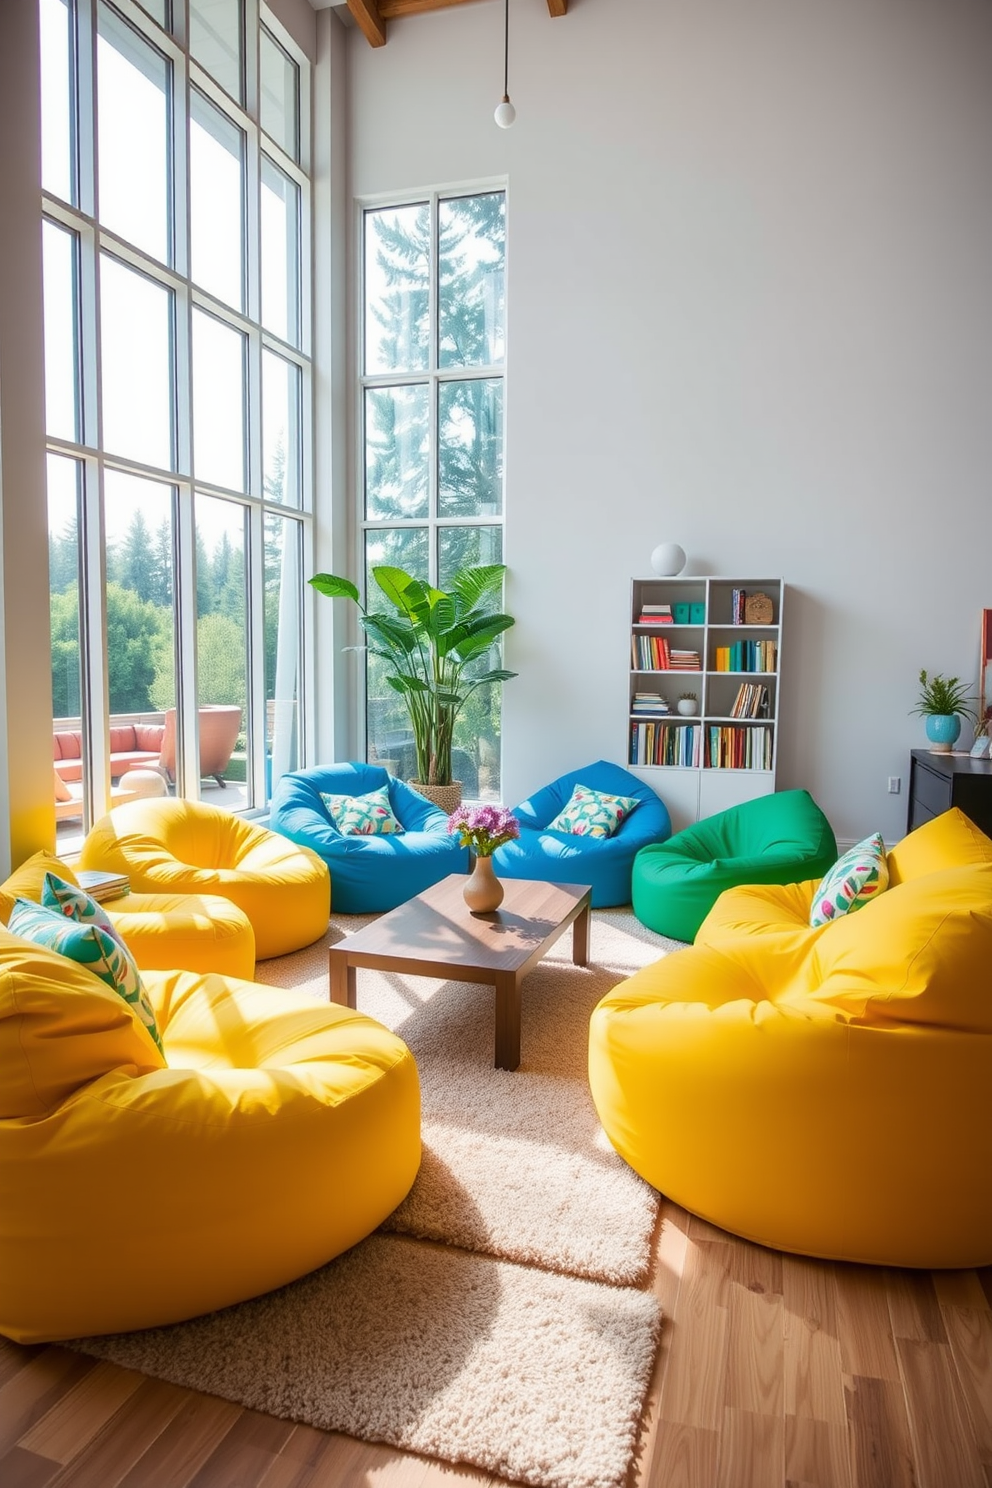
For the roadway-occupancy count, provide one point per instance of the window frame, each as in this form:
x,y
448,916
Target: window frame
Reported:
x,y
432,376
88,450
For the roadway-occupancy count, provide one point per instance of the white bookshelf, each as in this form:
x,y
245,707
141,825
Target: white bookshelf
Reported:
x,y
705,781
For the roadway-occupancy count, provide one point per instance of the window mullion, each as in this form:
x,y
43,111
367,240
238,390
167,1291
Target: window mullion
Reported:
x,y
95,678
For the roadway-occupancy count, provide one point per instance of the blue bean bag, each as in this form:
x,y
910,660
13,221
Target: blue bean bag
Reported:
x,y
368,874
561,857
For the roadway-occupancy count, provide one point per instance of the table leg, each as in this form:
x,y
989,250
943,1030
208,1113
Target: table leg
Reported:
x,y
507,1021
580,938
342,979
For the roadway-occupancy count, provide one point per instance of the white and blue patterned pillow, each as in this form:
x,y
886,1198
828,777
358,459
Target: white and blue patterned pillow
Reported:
x,y
593,813
94,945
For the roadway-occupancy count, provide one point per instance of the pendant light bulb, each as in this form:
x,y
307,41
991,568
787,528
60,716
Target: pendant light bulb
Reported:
x,y
505,113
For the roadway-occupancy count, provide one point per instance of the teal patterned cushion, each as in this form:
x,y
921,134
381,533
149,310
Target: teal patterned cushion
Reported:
x,y
857,877
74,902
99,949
593,813
363,816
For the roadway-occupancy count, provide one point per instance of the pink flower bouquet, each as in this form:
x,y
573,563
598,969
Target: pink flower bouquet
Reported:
x,y
483,828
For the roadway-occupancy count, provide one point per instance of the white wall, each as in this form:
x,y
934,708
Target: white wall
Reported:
x,y
750,290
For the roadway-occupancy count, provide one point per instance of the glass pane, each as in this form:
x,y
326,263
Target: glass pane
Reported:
x,y
216,168
216,34
470,448
218,402
281,437
280,95
136,366
158,10
71,811
58,100
283,644
140,611
397,289
280,253
476,748
390,739
61,333
471,263
133,81
396,446
221,648
63,583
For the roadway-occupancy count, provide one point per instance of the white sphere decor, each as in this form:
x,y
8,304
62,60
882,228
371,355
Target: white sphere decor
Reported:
x,y
505,114
668,559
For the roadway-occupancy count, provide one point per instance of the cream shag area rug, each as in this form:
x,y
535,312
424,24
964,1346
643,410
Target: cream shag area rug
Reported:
x,y
499,1315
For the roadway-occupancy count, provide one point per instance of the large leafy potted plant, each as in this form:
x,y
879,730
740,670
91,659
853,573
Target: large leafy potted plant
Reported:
x,y
428,641
942,701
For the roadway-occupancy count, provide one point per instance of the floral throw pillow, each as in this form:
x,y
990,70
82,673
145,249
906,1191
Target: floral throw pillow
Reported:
x,y
363,816
856,878
92,945
593,813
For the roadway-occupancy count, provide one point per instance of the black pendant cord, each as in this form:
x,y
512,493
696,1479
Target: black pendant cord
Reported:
x,y
506,49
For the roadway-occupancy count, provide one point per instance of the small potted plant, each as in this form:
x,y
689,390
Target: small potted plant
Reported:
x,y
943,702
688,704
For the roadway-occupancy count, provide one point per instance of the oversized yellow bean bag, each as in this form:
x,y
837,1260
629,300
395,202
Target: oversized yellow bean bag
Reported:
x,y
139,1189
821,1091
168,845
189,932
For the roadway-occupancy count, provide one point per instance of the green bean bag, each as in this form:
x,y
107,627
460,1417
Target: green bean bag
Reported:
x,y
776,839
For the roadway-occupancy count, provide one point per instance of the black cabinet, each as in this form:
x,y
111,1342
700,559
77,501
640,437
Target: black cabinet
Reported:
x,y
939,781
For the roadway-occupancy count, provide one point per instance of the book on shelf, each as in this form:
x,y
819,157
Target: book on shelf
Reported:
x,y
738,598
746,656
649,653
660,614
751,701
733,747
649,702
101,886
682,659
666,744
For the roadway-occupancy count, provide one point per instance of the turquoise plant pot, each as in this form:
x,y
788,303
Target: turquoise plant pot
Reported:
x,y
942,731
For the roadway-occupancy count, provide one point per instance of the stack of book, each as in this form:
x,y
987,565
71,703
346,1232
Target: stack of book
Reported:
x,y
684,661
648,704
737,600
751,701
658,614
101,886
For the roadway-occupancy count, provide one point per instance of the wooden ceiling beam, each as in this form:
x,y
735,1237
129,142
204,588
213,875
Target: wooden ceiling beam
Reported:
x,y
369,17
372,15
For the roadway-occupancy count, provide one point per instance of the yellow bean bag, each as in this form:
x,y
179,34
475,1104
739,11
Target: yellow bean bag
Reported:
x,y
137,1189
191,932
174,846
821,1091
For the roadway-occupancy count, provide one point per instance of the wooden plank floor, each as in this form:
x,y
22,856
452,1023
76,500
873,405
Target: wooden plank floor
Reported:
x,y
773,1372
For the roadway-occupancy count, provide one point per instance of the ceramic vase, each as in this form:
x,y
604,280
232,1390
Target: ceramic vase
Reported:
x,y
942,731
483,891
688,707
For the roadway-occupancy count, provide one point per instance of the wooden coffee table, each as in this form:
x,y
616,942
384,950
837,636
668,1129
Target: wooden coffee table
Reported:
x,y
434,935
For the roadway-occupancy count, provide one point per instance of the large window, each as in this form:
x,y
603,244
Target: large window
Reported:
x,y
178,387
433,330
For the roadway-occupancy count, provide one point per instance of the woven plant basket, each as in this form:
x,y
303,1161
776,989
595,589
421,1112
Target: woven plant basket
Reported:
x,y
448,797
